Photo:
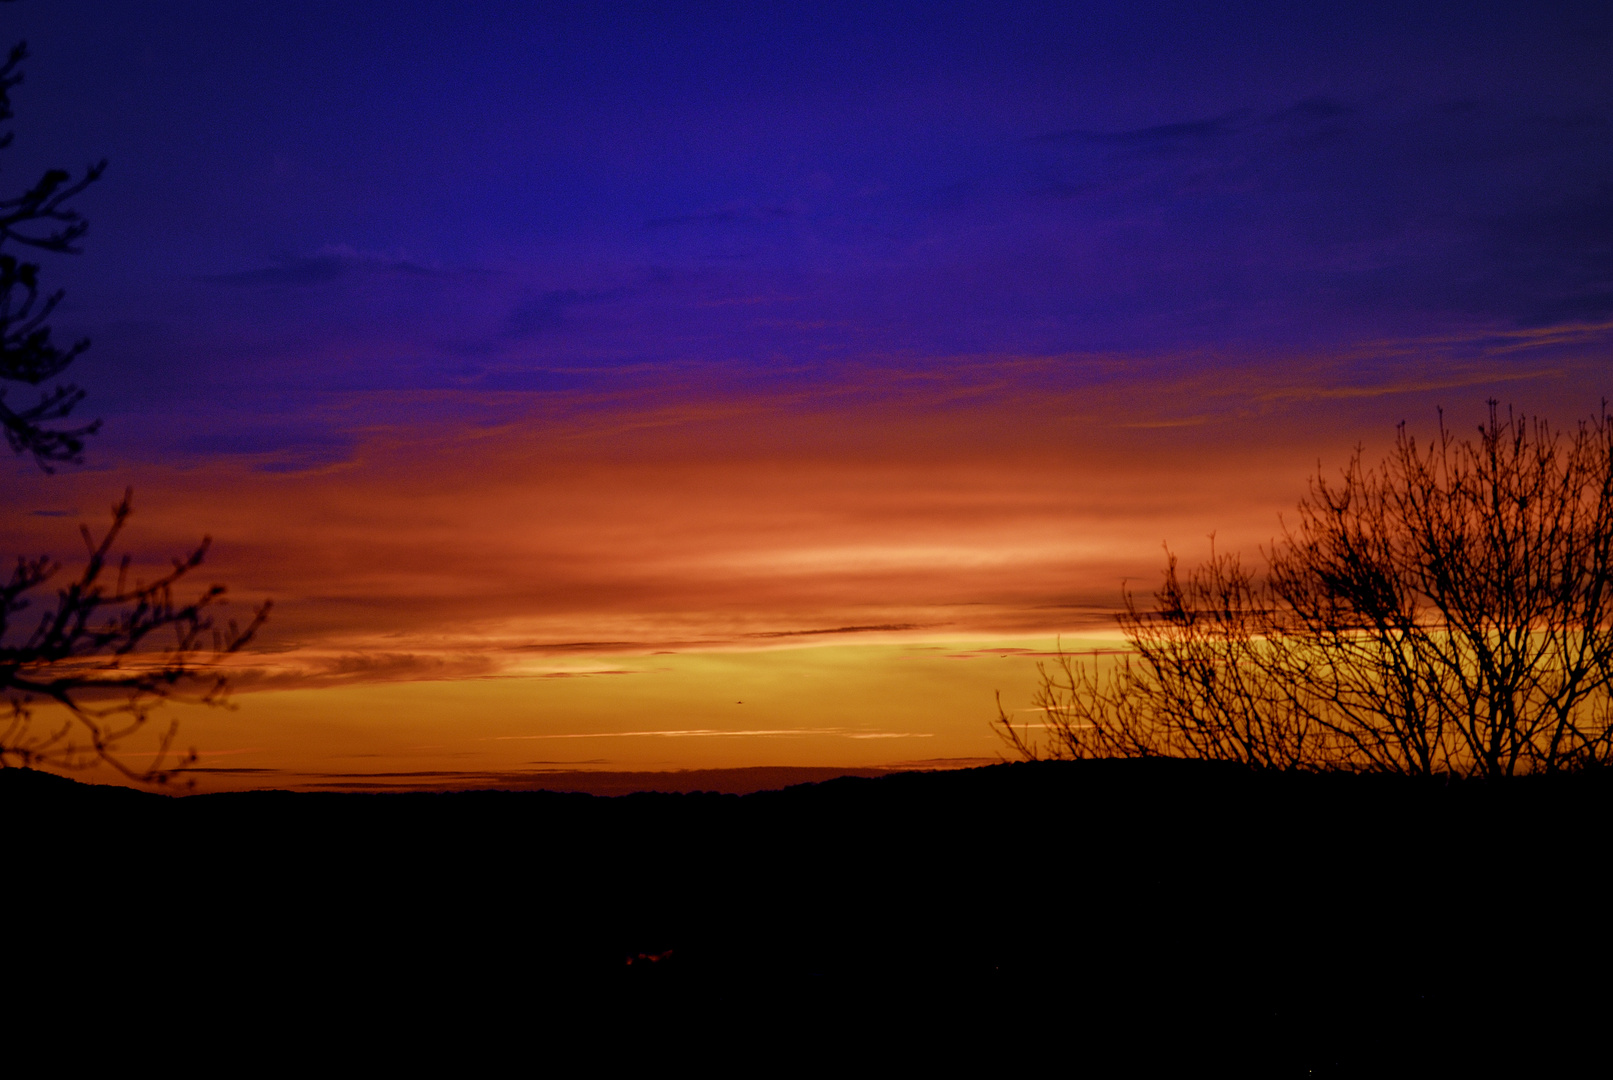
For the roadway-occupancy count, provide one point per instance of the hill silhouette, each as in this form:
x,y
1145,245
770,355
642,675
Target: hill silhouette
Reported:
x,y
1305,918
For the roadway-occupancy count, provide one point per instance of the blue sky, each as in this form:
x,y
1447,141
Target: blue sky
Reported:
x,y
318,198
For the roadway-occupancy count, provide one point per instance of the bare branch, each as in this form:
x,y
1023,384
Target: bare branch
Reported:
x,y
40,218
1449,610
90,653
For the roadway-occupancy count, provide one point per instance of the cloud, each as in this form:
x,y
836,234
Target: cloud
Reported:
x,y
576,646
1554,261
288,447
722,217
1317,108
1202,134
1153,137
1394,208
837,630
1243,140
324,266
303,669
547,310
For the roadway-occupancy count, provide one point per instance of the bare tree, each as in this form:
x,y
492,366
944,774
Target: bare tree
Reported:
x,y
100,653
105,651
1201,678
1447,611
39,218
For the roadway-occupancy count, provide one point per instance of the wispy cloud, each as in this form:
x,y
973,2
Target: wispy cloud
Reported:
x,y
307,668
324,266
835,630
1156,136
725,733
547,310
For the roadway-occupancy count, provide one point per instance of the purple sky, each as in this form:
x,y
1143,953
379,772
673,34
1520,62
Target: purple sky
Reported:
x,y
766,385
312,207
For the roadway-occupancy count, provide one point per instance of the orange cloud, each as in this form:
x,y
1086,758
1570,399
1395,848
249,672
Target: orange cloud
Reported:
x,y
590,543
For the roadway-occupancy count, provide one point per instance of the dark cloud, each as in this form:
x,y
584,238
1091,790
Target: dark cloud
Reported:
x,y
289,446
1393,207
836,630
721,217
1210,136
1551,263
547,310
365,668
324,267
1320,108
576,646
1158,136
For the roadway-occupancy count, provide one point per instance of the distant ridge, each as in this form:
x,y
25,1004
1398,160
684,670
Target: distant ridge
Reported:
x,y
682,782
19,786
742,781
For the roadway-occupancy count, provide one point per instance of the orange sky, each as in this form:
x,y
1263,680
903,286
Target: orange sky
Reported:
x,y
840,579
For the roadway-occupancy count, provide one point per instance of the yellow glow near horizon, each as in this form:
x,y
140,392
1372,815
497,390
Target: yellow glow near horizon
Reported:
x,y
920,704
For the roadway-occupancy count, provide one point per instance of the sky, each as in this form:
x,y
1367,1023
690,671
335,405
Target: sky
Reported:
x,y
690,386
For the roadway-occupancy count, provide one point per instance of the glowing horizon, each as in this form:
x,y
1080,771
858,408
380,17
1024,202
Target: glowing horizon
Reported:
x,y
618,364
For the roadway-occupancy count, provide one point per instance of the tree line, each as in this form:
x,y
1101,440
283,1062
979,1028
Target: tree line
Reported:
x,y
1444,611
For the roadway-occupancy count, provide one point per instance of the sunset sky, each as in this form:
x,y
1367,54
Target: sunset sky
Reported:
x,y
702,385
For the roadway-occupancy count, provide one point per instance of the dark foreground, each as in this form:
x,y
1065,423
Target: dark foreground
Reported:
x,y
1296,923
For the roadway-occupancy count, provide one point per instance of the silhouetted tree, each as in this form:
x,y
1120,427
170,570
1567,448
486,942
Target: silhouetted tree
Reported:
x,y
39,218
92,653
1449,610
102,650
